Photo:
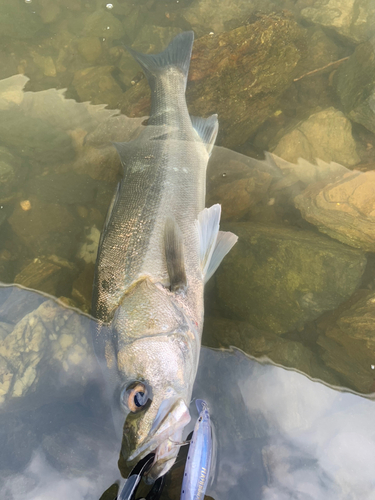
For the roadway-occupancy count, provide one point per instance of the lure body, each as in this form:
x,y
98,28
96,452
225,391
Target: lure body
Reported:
x,y
198,463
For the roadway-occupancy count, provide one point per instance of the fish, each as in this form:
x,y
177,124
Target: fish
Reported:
x,y
198,463
158,247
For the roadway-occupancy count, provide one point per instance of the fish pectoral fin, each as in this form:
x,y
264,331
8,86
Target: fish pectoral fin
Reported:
x,y
174,255
214,244
207,129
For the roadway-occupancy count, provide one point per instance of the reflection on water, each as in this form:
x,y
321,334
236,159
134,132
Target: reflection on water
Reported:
x,y
293,78
278,433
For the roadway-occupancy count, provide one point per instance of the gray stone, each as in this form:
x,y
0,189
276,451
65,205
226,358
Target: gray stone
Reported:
x,y
353,19
278,278
326,135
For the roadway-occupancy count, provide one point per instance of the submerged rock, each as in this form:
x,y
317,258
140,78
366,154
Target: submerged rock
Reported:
x,y
204,16
355,85
239,74
349,345
82,287
154,38
97,85
102,23
50,339
50,275
225,333
90,48
65,188
18,20
46,228
10,173
326,135
35,138
353,19
89,247
278,278
343,209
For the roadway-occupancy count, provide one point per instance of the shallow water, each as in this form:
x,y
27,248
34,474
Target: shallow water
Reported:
x,y
293,84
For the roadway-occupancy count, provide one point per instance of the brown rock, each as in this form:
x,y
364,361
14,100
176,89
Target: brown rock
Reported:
x,y
46,275
239,74
344,209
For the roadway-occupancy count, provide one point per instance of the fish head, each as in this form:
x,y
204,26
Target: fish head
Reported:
x,y
154,398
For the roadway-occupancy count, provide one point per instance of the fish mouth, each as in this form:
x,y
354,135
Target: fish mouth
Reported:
x,y
164,436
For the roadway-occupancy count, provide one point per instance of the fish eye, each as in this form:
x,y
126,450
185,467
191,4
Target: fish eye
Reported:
x,y
135,397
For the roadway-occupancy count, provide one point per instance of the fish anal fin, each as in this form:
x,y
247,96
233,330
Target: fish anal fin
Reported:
x,y
174,255
214,244
207,129
224,242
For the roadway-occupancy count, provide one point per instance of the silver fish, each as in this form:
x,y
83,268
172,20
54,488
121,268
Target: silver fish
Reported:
x,y
158,247
198,464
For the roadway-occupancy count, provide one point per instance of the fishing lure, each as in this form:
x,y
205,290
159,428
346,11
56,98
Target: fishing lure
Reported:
x,y
198,463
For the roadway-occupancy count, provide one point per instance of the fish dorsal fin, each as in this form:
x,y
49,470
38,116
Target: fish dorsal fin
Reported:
x,y
177,54
214,244
174,255
207,129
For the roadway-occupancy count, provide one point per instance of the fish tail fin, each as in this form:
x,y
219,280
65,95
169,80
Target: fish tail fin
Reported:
x,y
214,244
177,55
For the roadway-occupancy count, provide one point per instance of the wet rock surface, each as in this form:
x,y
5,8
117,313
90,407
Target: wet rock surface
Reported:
x,y
344,209
278,278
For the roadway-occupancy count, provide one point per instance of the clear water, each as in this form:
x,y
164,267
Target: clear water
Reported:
x,y
288,364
